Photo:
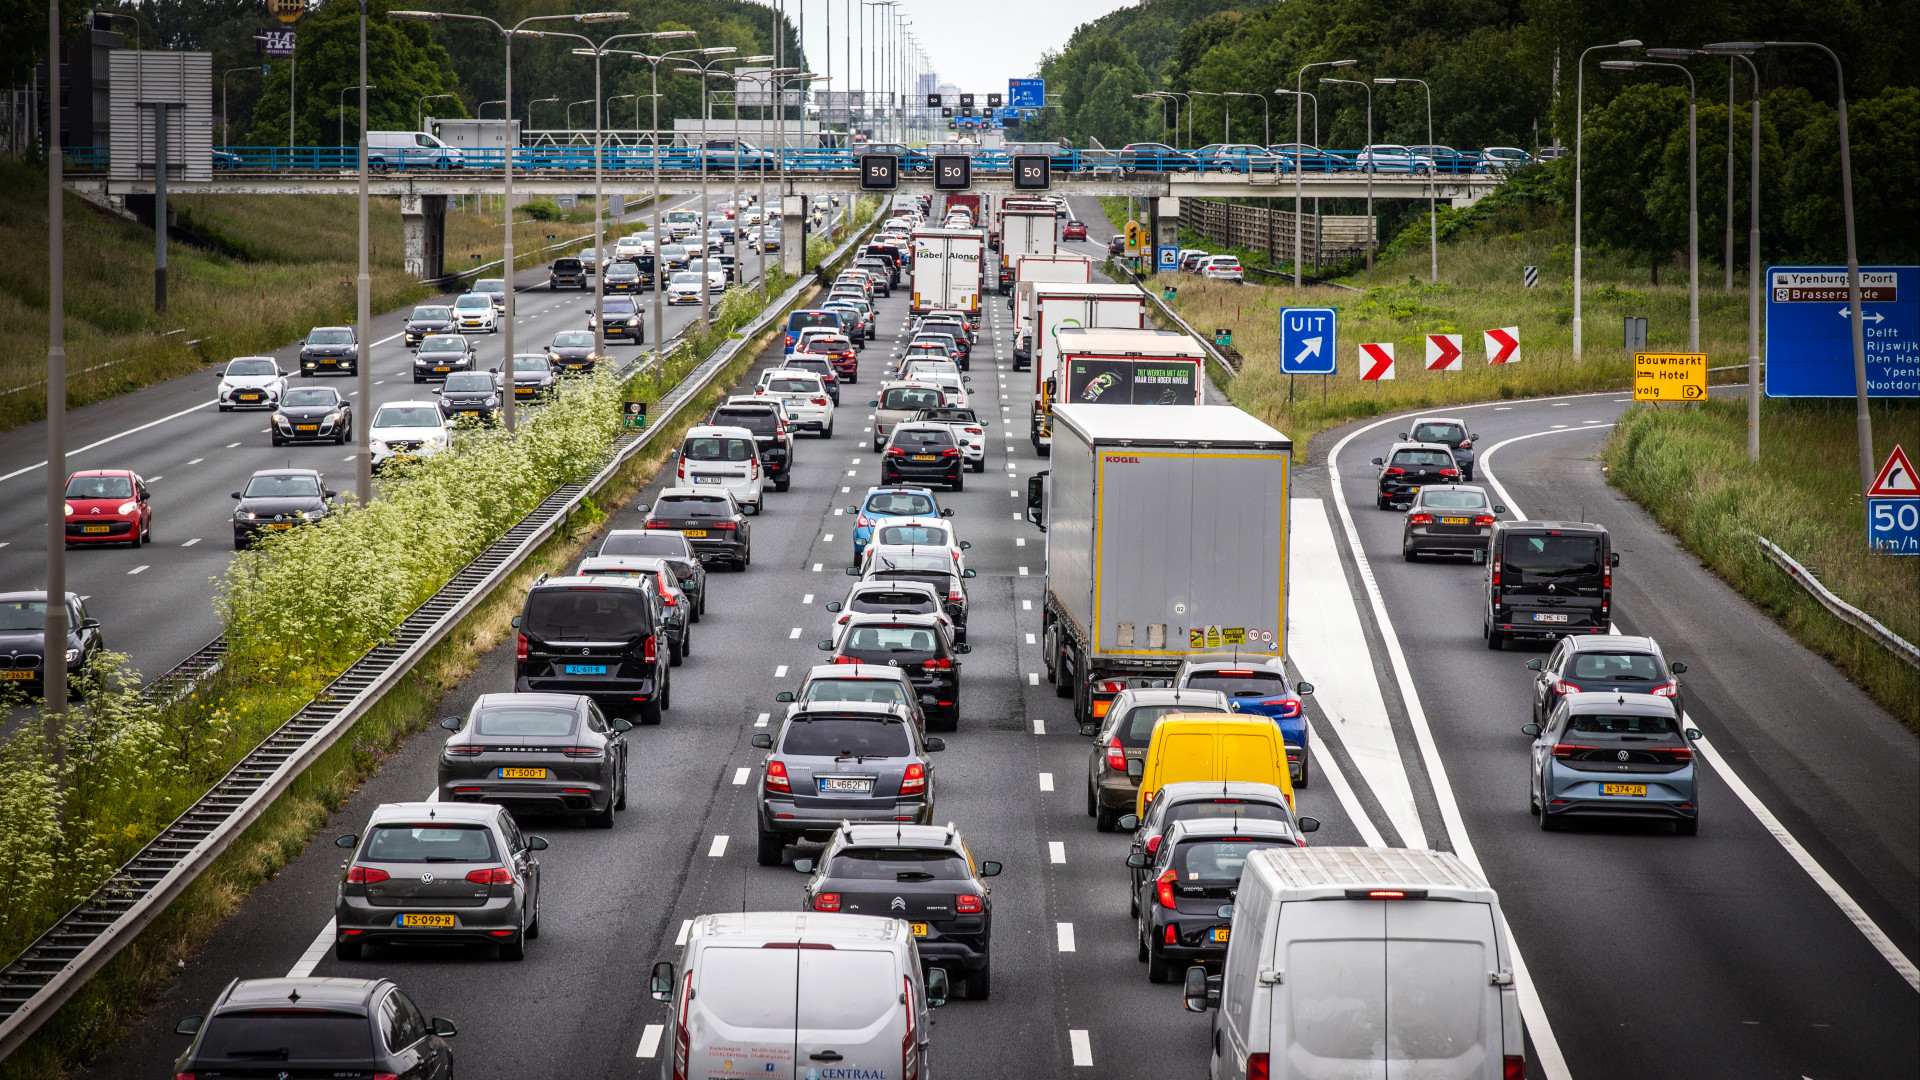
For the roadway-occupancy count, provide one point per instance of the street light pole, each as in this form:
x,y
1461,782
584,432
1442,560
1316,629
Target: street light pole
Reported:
x,y
342,129
1373,228
420,110
363,333
1693,181
1433,222
53,676
1579,131
541,101
1299,163
1226,122
1755,268
226,128
1266,114
719,54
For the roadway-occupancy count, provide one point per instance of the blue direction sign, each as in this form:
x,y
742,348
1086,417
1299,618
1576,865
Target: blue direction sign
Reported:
x,y
1309,340
1810,331
1027,93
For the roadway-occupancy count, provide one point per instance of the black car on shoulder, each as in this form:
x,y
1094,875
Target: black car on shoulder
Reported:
x,y
711,521
426,320
441,355
924,874
917,645
672,548
1194,873
596,637
23,636
276,500
469,393
770,432
567,271
333,347
313,414
624,321
572,352
315,1027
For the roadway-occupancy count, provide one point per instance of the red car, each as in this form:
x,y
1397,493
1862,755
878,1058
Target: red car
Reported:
x,y
108,506
1075,230
839,351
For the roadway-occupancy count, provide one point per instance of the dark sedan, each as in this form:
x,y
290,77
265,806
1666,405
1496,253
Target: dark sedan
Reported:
x,y
1604,664
1408,467
624,321
428,319
917,645
341,1027
23,635
671,548
622,277
1195,872
711,521
539,754
474,394
842,761
313,414
1232,800
923,874
923,453
1156,157
674,611
333,347
276,500
532,376
1449,520
572,352
441,355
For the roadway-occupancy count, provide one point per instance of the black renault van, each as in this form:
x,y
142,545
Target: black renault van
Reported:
x,y
1548,579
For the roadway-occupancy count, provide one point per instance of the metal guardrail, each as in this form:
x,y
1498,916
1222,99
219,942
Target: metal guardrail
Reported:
x,y
1900,647
55,966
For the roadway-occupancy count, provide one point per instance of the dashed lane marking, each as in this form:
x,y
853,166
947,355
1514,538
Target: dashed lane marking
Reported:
x,y
231,445
1082,1047
196,461
719,846
1046,781
1023,571
1019,541
761,720
311,958
1033,677
816,567
650,1040
794,635
740,775
780,672
138,569
827,538
1030,639
807,599
189,543
1039,726
1026,605
1063,934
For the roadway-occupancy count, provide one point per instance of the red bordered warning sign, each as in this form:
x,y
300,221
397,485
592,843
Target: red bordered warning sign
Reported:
x,y
1896,479
1376,361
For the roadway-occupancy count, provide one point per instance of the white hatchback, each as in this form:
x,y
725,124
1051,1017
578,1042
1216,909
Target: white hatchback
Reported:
x,y
474,311
251,382
724,457
804,395
408,429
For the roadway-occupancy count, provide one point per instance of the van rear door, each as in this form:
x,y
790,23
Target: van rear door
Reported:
x,y
788,1010
852,1019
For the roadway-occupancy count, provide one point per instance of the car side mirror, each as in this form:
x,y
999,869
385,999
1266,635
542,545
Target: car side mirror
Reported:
x,y
451,723
347,840
833,605
514,622
762,741
948,512
853,571
444,1028
1129,822
188,1025
935,745
969,573
963,647
824,645
1530,729
536,843
966,545
1678,667
1475,436
1534,664
873,404
803,866
1304,689
94,624
302,341
236,494
1694,733
784,695
283,374
660,983
1613,558
1379,461
1499,509
623,726
1137,860
1402,435
493,371
989,868
936,987
1136,768
435,391
853,510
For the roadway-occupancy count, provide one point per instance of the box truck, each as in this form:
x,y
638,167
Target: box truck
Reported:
x,y
947,270
1362,962
1027,228
1059,308
1165,528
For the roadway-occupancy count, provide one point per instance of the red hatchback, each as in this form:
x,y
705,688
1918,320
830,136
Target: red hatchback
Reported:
x,y
839,351
108,506
1074,230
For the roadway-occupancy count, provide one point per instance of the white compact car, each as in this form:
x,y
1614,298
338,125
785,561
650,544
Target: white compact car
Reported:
x,y
474,312
408,429
804,396
724,457
251,382
684,287
940,373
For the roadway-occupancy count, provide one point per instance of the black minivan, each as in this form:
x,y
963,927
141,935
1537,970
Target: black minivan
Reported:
x,y
1548,579
593,636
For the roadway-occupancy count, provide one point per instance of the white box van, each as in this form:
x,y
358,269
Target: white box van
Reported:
x,y
1363,962
799,994
411,150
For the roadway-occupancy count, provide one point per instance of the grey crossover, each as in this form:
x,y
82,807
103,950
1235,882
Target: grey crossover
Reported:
x,y
842,761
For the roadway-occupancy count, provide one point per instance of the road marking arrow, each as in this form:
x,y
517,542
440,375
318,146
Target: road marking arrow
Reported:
x,y
1310,347
1380,355
1443,352
1503,345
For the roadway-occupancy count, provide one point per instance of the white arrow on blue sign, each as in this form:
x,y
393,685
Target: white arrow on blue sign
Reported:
x,y
1309,340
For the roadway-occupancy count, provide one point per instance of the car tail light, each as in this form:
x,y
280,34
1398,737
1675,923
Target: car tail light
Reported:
x,y
727,525
974,431
954,595
1567,750
827,901
819,400
581,751
863,522
1496,571
1420,519
1164,887
1566,687
894,451
1665,690
915,782
1676,755
938,664
968,904
520,648
789,340
1512,1067
951,451
1289,707
465,751
659,525
1257,1067
846,660
1449,472
498,875
650,649
1483,519
680,469
777,777
365,875
682,1049
1116,756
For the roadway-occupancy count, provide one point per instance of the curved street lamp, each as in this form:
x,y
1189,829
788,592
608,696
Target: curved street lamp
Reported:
x,y
1299,93
1693,184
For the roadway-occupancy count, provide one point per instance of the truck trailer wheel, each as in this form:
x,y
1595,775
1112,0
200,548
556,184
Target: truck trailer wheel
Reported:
x,y
1063,675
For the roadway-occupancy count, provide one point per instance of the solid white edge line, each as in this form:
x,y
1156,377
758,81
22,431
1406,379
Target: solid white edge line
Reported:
x,y
1342,790
650,1040
111,438
1552,1060
1483,466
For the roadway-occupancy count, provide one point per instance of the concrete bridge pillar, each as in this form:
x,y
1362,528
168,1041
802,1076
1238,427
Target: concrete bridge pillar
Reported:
x,y
1165,211
793,234
423,227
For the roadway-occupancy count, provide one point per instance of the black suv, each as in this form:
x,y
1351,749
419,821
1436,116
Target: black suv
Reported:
x,y
670,547
568,271
770,433
917,645
333,347
596,637
624,321
1548,579
315,1027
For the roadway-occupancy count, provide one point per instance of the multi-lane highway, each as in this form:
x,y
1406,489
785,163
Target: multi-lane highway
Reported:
x,y
1747,950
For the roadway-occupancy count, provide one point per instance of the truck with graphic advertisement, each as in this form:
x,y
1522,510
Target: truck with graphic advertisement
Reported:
x,y
1027,227
1057,308
1058,269
1166,538
947,270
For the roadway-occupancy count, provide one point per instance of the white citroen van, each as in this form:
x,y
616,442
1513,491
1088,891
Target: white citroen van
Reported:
x,y
798,994
1362,962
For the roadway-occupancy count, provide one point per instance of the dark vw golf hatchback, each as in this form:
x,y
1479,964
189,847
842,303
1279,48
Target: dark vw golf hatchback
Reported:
x,y
315,1027
593,636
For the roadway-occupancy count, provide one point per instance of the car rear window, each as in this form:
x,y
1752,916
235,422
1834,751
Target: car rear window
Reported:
x,y
1245,810
1610,724
521,721
1423,457
843,737
891,600
639,543
1552,556
429,843
1451,434
882,691
793,386
758,421
892,642
1137,730
712,448
1452,500
1627,667
900,504
99,487
1215,861
586,614
909,399
683,506
910,534
899,864
800,320
817,364
1238,683
923,439
290,1035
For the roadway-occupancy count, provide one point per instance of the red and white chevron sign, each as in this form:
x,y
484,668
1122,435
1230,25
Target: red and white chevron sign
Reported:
x,y
1376,361
1503,345
1443,352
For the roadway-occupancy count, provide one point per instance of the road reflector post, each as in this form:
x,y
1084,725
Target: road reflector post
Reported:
x,y
1661,376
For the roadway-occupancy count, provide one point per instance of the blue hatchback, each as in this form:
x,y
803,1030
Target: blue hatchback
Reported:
x,y
1257,685
882,503
1614,755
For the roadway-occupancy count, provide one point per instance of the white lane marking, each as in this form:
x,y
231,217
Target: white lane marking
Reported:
x,y
1552,1060
851,472
1063,935
1033,677
1029,639
1082,1047
1057,851
1014,494
130,431
740,775
155,479
816,567
1039,726
196,461
843,490
1046,781
231,445
837,511
1016,516
686,928
1327,640
191,542
1503,408
761,720
1023,571
807,599
1019,541
137,569
1484,465
719,847
311,958
1026,605
828,538
855,461
794,634
650,1040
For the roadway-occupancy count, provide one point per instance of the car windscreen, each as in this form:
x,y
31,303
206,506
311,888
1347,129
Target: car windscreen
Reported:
x,y
345,337
906,644
519,720
443,343
963,416
882,691
1624,667
427,314
436,842
468,384
899,864
1239,683
566,266
309,398
1443,499
910,534
758,421
1215,809
1653,725
99,487
621,306
923,439
257,367
573,339
23,615
793,386
639,543
833,737
711,448
1451,434
684,506
286,1036
1137,728
282,487
1423,457
407,416
622,269
473,302
901,504
586,614
1552,556
490,285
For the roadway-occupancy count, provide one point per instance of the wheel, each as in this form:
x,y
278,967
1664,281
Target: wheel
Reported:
x,y
1380,502
1093,803
1408,554
149,531
346,951
1548,823
673,654
603,819
621,803
1063,676
1495,639
773,849
980,466
980,983
135,542
516,947
1306,771
783,483
278,441
650,713
417,380
1688,827
959,482
747,560
877,445
229,408
1141,937
948,722
1158,969
686,642
533,928
1106,820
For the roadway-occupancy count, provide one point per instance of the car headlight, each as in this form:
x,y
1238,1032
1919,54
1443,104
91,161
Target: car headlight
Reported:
x,y
377,444
245,515
128,507
333,418
633,321
280,418
72,655
313,515
69,509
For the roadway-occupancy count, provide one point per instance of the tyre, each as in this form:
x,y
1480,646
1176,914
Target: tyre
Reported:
x,y
1306,771
1063,676
1106,820
621,802
135,542
533,928
827,432
980,983
959,482
346,951
673,654
783,483
1548,823
686,642
1409,555
229,408
747,559
516,947
1380,502
603,819
1158,969
773,849
1093,803
278,441
650,713
1495,639
980,466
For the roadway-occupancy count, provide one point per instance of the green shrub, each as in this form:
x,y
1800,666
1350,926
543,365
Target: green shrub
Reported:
x,y
543,210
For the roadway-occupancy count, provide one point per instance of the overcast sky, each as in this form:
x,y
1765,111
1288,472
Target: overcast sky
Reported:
x,y
975,44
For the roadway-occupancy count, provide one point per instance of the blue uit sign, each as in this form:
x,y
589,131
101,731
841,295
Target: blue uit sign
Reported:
x,y
1027,93
1810,331
1309,340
